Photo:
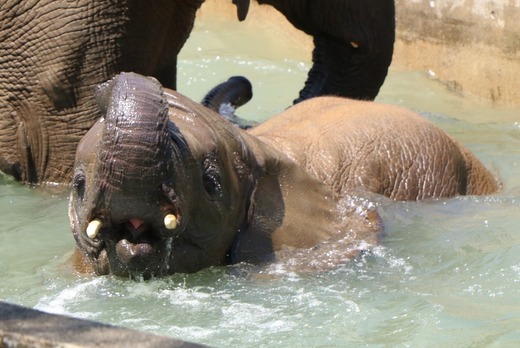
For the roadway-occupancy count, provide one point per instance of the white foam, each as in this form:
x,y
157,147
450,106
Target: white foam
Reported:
x,y
61,302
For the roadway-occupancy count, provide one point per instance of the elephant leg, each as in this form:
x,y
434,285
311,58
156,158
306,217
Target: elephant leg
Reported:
x,y
167,76
345,70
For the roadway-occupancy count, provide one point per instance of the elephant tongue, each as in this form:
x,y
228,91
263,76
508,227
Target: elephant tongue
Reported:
x,y
136,223
135,229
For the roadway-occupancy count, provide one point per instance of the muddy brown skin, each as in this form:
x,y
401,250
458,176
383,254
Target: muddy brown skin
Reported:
x,y
156,155
359,146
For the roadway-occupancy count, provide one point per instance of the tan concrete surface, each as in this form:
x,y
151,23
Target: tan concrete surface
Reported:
x,y
26,327
473,46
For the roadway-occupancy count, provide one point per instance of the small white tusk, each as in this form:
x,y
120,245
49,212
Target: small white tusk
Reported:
x,y
170,221
93,228
354,44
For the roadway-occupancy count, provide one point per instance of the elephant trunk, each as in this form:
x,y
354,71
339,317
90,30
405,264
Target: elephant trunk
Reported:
x,y
242,8
136,149
352,54
340,69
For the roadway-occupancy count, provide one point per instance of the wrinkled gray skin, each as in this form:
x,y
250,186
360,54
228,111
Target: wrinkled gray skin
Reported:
x,y
248,196
157,153
353,44
54,53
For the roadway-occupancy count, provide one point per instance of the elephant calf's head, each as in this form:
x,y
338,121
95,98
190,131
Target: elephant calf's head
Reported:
x,y
148,199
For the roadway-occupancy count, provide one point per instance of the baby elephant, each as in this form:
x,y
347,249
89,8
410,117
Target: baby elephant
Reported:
x,y
163,184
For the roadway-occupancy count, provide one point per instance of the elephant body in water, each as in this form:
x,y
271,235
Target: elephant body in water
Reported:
x,y
163,184
55,53
354,146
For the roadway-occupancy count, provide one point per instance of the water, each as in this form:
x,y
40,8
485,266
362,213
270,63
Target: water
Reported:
x,y
447,273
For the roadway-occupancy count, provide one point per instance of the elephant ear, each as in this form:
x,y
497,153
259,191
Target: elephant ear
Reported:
x,y
291,210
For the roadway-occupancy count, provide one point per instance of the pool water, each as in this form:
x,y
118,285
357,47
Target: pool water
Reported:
x,y
447,272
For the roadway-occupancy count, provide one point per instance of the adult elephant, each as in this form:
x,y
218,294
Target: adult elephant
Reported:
x,y
54,53
353,42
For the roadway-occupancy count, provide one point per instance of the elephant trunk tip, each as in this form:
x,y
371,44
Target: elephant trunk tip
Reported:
x,y
242,8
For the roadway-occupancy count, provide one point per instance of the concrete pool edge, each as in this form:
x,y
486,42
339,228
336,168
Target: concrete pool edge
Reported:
x,y
26,327
472,46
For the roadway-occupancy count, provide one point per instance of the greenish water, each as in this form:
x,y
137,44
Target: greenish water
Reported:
x,y
447,273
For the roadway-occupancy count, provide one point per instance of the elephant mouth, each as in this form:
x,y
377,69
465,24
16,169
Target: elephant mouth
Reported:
x,y
132,248
136,240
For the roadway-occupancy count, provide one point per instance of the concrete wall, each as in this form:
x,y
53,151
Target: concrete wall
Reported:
x,y
471,45
26,327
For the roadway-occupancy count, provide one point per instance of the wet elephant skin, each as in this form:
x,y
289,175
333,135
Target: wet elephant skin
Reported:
x,y
163,184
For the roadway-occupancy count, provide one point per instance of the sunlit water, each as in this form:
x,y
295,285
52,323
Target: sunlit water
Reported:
x,y
447,273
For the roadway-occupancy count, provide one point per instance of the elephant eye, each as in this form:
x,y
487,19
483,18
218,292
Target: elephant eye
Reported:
x,y
211,180
79,184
